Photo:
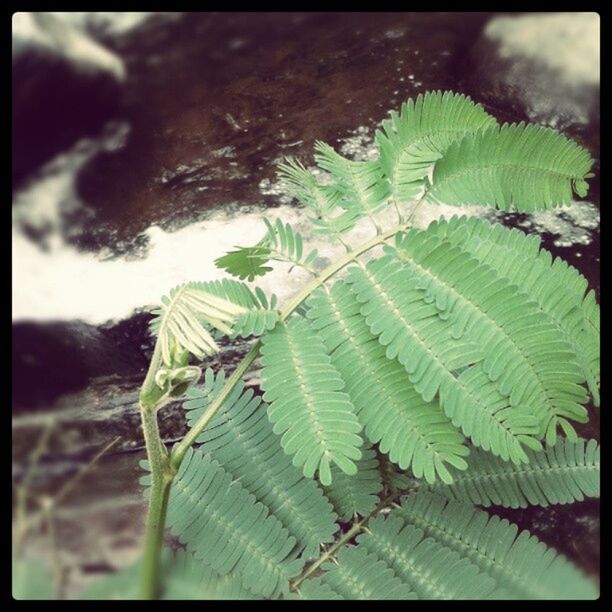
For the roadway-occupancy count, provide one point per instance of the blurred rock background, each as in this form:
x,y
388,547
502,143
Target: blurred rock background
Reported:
x,y
145,145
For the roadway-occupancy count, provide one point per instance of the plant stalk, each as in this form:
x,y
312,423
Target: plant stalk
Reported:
x,y
151,398
347,537
162,476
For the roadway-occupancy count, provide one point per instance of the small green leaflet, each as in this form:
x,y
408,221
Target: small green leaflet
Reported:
x,y
246,262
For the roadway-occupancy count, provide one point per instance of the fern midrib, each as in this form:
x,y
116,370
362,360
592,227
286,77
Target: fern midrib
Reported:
x,y
357,527
361,193
305,395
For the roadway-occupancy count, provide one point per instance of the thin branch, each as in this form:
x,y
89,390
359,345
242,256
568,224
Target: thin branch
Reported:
x,y
357,528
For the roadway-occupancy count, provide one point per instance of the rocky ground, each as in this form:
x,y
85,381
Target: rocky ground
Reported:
x,y
170,161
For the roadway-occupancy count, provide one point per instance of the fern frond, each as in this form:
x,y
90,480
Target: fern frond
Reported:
x,y
259,313
356,575
323,201
358,494
240,437
558,288
411,141
409,327
223,525
561,474
522,566
307,404
415,433
516,167
246,262
180,323
524,353
361,183
476,406
287,245
431,570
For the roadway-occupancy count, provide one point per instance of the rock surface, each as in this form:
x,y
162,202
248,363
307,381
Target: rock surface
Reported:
x,y
64,85
544,66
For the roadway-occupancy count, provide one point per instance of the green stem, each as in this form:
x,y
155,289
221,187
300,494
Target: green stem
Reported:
x,y
347,537
162,476
151,398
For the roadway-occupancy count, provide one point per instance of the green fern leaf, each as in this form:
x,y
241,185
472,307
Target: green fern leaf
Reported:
x,y
431,570
358,494
246,262
315,589
240,437
523,567
286,244
558,288
258,313
306,401
180,323
524,353
356,575
515,167
223,525
589,343
478,408
415,433
361,183
412,141
409,327
423,343
324,202
561,474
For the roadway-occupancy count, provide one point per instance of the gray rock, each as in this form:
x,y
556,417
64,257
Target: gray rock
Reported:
x,y
544,67
64,86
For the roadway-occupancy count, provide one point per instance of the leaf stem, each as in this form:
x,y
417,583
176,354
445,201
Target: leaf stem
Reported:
x,y
347,537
